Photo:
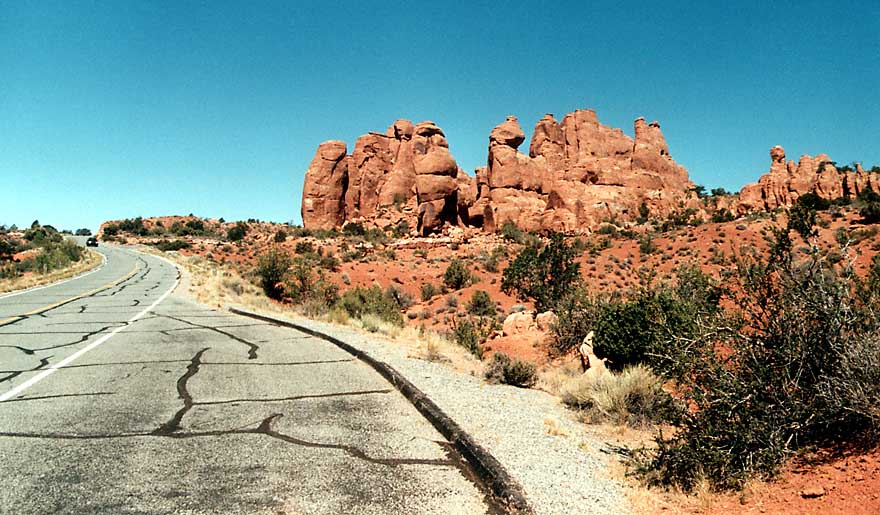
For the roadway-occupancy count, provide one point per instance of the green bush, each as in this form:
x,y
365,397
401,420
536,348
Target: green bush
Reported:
x,y
52,256
795,368
471,334
481,304
280,236
722,215
428,291
166,246
544,274
457,276
272,269
646,245
653,325
305,284
304,247
83,232
515,372
361,301
237,232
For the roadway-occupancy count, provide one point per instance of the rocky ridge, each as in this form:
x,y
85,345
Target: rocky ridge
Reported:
x,y
787,181
577,173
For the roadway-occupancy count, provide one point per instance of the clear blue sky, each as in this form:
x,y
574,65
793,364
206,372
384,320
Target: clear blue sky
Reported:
x,y
117,109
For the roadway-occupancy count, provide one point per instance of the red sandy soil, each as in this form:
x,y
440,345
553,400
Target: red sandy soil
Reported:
x,y
846,485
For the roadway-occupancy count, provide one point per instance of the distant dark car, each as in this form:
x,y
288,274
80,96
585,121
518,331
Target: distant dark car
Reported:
x,y
92,242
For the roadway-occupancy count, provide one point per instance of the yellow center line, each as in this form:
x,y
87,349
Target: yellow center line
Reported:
x,y
37,311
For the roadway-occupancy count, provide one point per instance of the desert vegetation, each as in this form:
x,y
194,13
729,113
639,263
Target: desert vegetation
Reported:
x,y
39,254
737,343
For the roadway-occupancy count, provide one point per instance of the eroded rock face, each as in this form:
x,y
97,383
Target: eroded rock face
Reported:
x,y
787,181
576,173
323,205
407,174
579,172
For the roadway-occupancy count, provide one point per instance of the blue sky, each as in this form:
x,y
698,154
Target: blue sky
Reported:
x,y
120,109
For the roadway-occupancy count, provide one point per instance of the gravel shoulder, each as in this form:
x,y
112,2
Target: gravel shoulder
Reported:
x,y
562,466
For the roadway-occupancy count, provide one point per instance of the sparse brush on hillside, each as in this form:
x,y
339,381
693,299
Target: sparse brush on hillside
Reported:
x,y
50,252
272,269
506,370
796,367
359,302
545,273
457,275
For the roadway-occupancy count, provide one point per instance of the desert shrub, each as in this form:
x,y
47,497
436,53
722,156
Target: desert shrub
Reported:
x,y
510,232
634,397
280,236
401,229
577,312
471,334
361,301
481,304
53,256
722,215
355,229
83,232
515,372
544,274
133,226
111,230
403,299
7,249
814,202
646,245
654,325
189,228
428,291
870,210
779,377
237,232
272,269
802,218
305,283
855,385
304,247
457,276
166,246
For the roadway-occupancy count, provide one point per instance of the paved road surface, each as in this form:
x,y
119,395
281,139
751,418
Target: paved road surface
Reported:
x,y
118,398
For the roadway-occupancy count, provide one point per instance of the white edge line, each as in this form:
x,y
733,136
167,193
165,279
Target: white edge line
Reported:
x,y
70,359
79,276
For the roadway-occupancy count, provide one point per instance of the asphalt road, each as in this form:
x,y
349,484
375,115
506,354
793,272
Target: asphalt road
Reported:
x,y
116,397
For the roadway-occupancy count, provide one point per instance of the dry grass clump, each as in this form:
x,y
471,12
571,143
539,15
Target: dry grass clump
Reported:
x,y
89,261
553,377
633,397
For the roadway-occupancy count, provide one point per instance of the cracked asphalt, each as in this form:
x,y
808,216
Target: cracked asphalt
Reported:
x,y
191,410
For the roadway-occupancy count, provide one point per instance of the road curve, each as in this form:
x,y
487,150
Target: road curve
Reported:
x,y
117,398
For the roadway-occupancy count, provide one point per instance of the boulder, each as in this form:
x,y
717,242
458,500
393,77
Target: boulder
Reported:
x,y
518,323
546,321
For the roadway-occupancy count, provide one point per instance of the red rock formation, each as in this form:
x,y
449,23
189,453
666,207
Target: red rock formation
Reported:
x,y
408,166
323,204
579,172
576,173
786,182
